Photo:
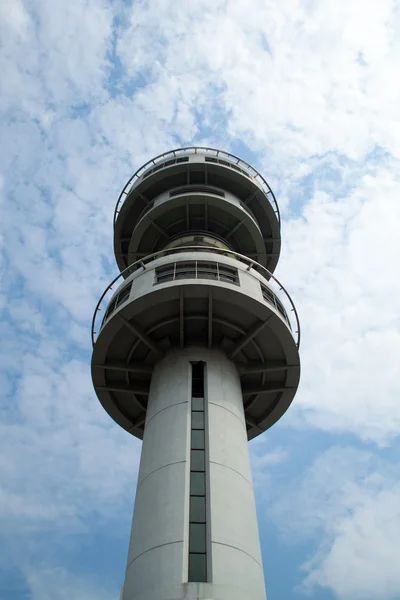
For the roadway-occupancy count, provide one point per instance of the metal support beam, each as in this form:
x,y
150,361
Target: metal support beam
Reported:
x,y
271,365
210,317
257,254
128,389
270,409
130,368
136,424
187,215
141,335
250,403
181,319
268,388
139,403
254,331
252,422
232,231
250,197
128,417
159,229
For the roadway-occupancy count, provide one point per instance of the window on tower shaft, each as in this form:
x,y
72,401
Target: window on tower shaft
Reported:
x,y
197,512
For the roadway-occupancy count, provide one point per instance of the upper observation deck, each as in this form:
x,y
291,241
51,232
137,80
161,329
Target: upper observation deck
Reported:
x,y
197,191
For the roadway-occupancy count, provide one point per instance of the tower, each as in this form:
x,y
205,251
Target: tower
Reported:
x,y
196,353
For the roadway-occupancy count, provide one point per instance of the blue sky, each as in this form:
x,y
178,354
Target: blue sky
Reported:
x,y
309,93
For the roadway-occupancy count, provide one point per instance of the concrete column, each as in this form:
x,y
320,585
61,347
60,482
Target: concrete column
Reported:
x,y
157,566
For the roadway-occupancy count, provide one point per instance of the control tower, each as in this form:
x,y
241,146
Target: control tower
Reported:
x,y
195,351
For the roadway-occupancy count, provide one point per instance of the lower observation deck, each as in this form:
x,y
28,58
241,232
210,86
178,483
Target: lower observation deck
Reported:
x,y
196,297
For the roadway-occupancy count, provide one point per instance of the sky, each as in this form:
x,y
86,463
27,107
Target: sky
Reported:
x,y
309,93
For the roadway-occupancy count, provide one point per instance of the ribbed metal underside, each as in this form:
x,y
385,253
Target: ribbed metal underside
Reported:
x,y
250,333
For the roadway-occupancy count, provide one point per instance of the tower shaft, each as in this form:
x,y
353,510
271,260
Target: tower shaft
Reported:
x,y
194,532
196,353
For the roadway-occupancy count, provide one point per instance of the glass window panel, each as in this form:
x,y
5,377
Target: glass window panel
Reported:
x,y
198,439
185,266
207,274
124,294
268,295
165,277
197,509
163,268
197,460
197,537
228,273
197,404
165,273
198,385
198,388
111,307
186,275
197,484
227,270
197,420
198,370
197,567
207,270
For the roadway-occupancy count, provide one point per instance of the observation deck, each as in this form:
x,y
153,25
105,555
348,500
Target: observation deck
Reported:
x,y
196,297
198,191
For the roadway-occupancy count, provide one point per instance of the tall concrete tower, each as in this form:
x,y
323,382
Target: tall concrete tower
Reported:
x,y
196,353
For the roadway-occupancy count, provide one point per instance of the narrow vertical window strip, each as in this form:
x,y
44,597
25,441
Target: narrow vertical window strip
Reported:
x,y
197,513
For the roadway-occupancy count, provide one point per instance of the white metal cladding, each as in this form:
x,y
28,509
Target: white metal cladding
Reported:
x,y
158,558
193,154
173,268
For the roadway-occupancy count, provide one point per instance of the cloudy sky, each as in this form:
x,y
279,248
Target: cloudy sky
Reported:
x,y
307,91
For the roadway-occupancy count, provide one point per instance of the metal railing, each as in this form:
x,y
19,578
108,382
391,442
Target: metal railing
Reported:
x,y
141,264
195,150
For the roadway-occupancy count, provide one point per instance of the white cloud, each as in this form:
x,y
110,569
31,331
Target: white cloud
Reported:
x,y
63,451
348,501
59,584
363,558
309,87
54,56
295,80
340,257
